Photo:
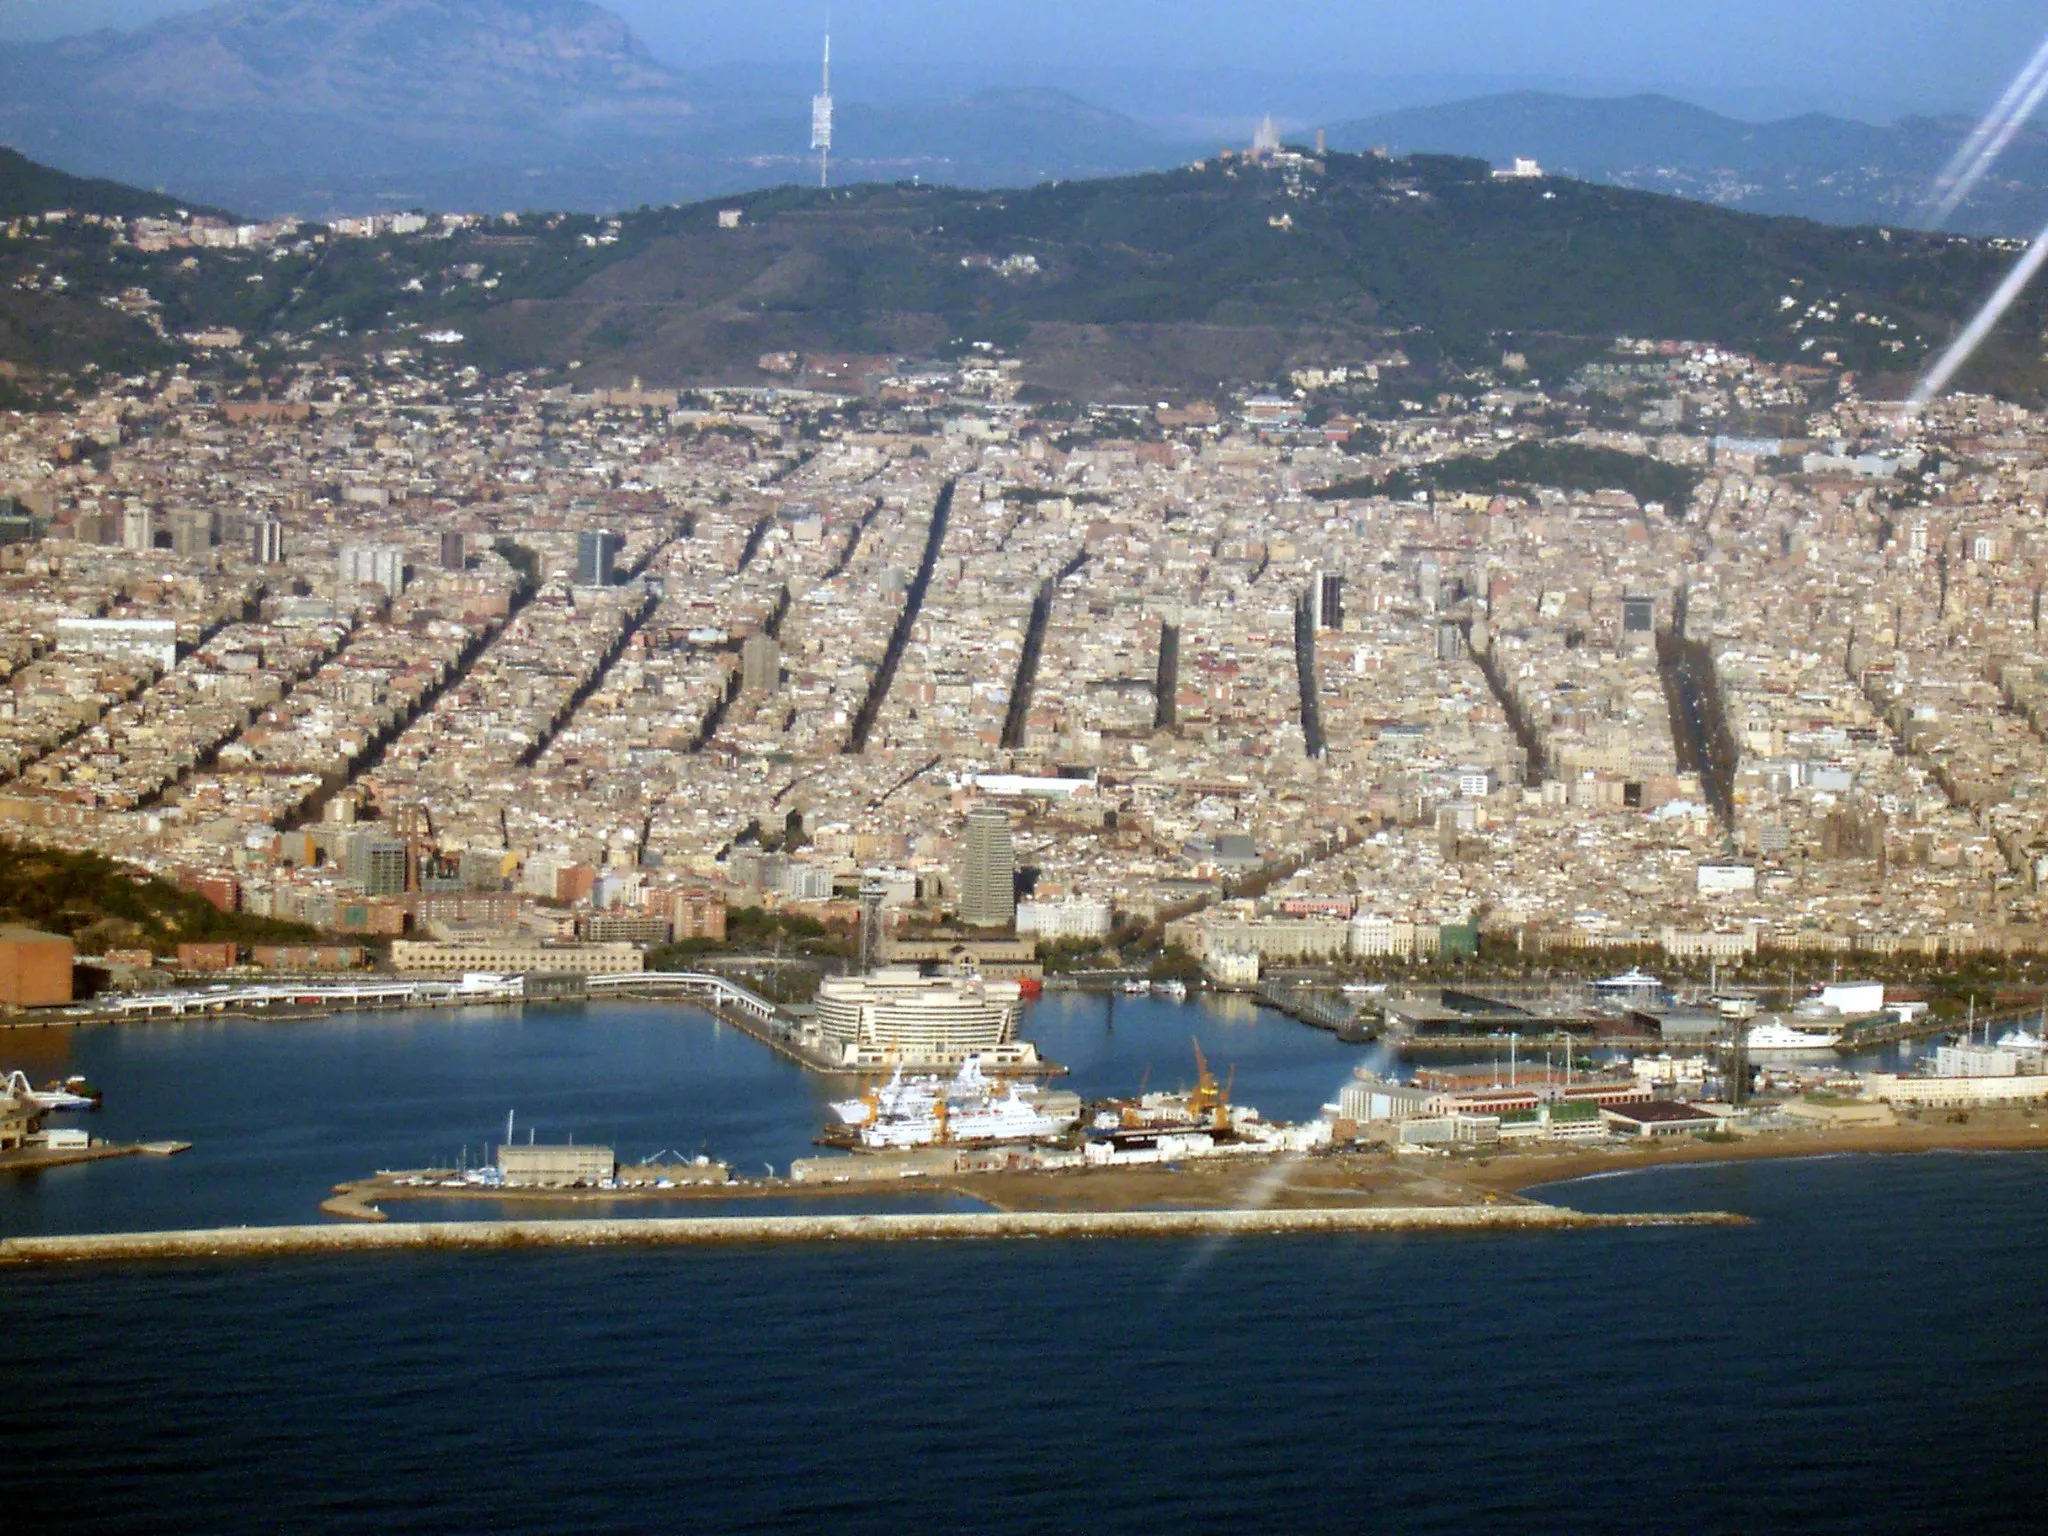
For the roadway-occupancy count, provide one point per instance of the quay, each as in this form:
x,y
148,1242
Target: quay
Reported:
x,y
727,1001
723,998
35,1159
1473,1046
717,1231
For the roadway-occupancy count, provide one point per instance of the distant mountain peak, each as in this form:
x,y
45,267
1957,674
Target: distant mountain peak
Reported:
x,y
347,55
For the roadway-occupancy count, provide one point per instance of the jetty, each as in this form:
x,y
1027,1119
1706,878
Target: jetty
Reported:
x,y
722,1231
35,1158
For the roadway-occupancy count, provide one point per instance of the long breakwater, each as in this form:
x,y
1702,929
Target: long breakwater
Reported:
x,y
711,1231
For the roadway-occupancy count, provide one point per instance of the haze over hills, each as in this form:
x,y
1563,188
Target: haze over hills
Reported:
x,y
1813,166
321,107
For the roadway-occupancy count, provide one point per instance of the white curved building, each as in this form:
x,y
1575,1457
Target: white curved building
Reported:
x,y
897,1017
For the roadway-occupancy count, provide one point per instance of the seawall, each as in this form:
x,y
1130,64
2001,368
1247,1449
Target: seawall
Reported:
x,y
265,1242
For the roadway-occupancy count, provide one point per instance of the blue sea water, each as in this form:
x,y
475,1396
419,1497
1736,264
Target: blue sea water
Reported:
x,y
1870,1356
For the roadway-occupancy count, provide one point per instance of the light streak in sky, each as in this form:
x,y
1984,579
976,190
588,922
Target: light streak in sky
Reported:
x,y
1980,151
1965,346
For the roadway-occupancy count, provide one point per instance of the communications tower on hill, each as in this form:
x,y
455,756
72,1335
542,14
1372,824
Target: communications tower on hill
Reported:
x,y
821,118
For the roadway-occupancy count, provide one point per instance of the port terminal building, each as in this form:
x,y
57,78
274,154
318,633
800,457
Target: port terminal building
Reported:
x,y
417,957
896,1017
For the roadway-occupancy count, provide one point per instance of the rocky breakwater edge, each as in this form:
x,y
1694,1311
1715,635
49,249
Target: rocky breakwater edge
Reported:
x,y
501,1236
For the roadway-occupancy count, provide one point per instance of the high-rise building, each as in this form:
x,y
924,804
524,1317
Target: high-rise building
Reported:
x,y
373,565
138,528
821,120
192,532
873,893
597,556
988,881
1332,606
376,863
454,550
760,664
266,542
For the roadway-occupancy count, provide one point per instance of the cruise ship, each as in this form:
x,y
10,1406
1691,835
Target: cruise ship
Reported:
x,y
965,1110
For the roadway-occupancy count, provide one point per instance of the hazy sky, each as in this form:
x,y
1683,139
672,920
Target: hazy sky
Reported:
x,y
1899,54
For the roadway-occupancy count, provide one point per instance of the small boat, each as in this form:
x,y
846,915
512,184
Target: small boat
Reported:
x,y
71,1093
1177,991
1135,988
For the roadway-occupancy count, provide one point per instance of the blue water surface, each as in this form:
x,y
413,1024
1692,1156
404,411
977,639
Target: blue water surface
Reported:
x,y
1869,1356
280,1112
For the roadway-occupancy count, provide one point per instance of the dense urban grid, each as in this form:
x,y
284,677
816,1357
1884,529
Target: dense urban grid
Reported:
x,y
391,647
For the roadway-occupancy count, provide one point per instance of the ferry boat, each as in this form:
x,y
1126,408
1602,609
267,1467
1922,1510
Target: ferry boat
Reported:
x,y
1137,987
1176,991
1779,1038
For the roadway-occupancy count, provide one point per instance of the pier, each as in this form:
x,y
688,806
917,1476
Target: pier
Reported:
x,y
33,1159
1303,1006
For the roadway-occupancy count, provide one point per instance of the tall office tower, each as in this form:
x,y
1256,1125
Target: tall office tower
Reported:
x,y
373,565
821,119
138,528
988,884
454,550
760,664
1166,681
596,558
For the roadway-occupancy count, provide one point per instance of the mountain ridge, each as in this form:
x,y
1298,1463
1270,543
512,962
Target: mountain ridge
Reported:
x,y
326,107
1811,165
1203,281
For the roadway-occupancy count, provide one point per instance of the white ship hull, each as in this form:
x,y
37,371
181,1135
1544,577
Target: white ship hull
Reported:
x,y
957,1111
1783,1040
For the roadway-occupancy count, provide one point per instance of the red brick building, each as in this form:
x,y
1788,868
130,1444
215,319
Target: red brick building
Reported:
x,y
35,968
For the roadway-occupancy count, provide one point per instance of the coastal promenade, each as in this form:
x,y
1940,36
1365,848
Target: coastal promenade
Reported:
x,y
712,1231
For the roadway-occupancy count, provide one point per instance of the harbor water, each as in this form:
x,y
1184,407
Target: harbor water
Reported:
x,y
1868,1357
280,1112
